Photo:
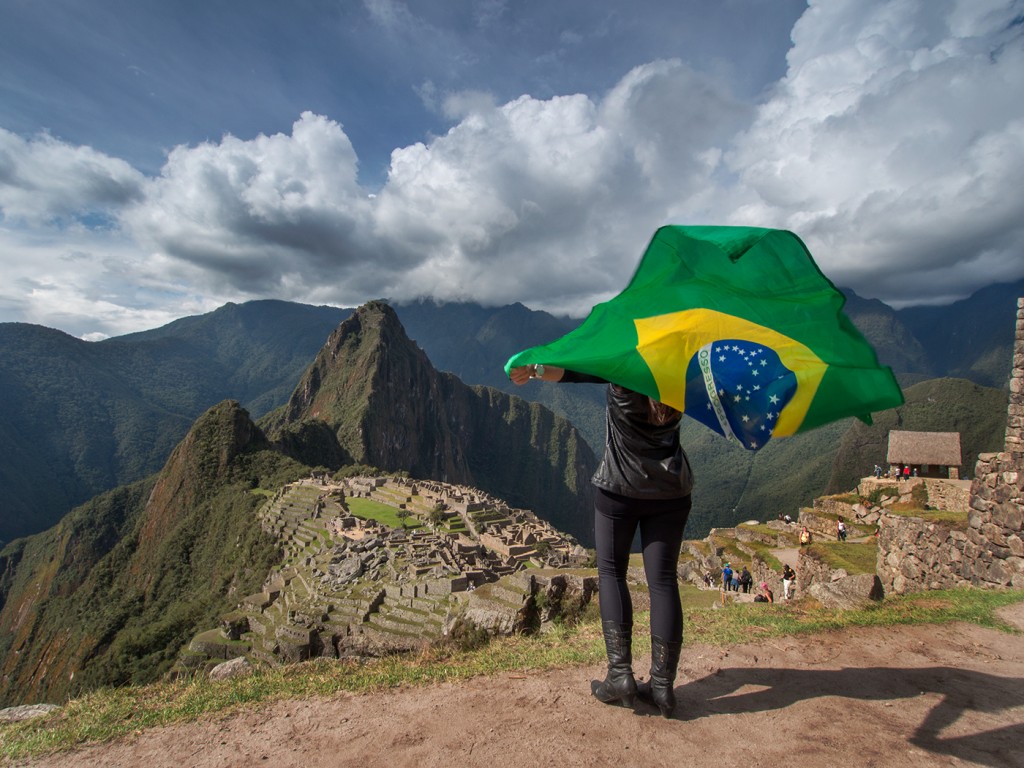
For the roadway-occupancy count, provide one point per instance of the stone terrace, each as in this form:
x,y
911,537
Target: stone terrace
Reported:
x,y
349,586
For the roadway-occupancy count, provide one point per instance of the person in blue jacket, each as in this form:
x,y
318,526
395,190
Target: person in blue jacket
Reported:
x,y
643,482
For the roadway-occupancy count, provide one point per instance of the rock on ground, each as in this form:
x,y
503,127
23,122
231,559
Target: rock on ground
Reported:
x,y
25,712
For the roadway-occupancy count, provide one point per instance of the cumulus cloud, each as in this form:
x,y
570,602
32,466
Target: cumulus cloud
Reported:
x,y
549,200
45,181
552,201
893,146
252,214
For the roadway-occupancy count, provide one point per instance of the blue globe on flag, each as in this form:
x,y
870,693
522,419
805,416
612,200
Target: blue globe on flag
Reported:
x,y
738,388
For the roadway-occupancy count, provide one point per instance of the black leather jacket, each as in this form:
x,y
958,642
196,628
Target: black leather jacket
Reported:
x,y
642,460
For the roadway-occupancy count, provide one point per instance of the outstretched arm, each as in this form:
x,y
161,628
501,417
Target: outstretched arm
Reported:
x,y
523,373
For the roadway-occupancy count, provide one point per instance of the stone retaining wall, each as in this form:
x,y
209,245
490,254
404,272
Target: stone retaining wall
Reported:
x,y
829,505
954,495
810,570
834,587
916,555
1015,412
949,494
764,574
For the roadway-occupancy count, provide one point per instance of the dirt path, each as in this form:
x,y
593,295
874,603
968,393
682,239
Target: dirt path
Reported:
x,y
910,696
788,556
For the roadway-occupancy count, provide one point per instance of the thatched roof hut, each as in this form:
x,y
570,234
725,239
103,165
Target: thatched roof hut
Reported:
x,y
934,449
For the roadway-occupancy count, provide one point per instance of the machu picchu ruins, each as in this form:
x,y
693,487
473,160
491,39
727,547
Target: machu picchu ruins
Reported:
x,y
350,585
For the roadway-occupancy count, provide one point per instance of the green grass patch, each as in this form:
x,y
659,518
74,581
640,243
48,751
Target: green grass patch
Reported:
x,y
368,509
111,713
789,534
765,554
882,492
731,552
854,558
740,622
694,598
946,517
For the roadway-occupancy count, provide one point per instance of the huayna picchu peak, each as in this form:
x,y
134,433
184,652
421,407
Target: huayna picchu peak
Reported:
x,y
386,406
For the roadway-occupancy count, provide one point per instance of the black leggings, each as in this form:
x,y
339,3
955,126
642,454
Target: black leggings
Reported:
x,y
661,523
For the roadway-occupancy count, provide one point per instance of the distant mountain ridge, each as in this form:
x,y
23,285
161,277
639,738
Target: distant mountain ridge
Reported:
x,y
79,418
969,339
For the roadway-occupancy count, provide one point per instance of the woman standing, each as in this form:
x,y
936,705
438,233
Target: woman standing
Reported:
x,y
644,482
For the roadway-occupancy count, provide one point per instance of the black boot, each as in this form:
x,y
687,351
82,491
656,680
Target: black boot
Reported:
x,y
619,687
664,660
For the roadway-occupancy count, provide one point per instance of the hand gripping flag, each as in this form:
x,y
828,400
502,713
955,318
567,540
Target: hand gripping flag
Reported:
x,y
736,327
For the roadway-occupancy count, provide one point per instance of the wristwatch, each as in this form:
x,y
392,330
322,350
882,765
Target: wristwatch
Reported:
x,y
538,371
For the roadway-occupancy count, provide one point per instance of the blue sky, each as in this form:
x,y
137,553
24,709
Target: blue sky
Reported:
x,y
160,159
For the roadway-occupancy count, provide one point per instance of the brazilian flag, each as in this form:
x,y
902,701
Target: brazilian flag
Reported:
x,y
736,327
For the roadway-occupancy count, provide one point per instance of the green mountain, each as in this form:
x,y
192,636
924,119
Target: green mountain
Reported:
x,y
78,418
110,594
252,351
970,339
895,344
73,424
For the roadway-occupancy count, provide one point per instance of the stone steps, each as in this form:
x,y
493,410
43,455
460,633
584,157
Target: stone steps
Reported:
x,y
345,618
496,591
406,613
396,634
264,652
396,624
349,603
421,604
353,614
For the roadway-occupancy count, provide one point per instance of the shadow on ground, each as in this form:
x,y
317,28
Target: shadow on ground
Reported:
x,y
962,692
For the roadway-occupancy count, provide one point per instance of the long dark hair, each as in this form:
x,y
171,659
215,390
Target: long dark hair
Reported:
x,y
660,414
